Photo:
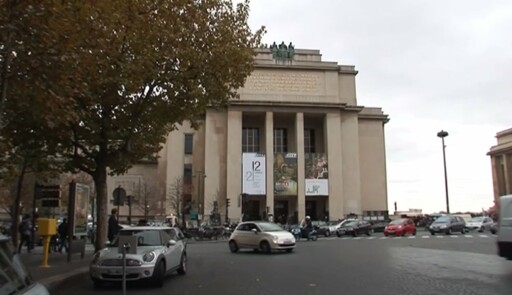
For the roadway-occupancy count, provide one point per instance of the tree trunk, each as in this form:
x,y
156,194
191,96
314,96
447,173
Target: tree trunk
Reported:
x,y
100,182
16,208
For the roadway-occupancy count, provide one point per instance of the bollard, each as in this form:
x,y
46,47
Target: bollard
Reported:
x,y
46,247
125,247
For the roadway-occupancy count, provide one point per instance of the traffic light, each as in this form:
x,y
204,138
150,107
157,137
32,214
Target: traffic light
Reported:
x,y
227,202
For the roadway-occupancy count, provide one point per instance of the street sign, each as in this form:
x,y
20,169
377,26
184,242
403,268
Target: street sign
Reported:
x,y
48,191
119,196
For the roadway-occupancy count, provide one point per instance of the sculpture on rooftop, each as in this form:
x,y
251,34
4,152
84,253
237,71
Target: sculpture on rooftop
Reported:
x,y
282,52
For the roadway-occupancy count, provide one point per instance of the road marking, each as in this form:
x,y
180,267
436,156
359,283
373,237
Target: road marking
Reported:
x,y
371,238
383,238
468,236
411,237
439,237
357,238
397,237
454,236
425,237
484,236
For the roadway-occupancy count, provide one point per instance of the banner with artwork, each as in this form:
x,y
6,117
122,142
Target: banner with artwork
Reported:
x,y
285,174
317,175
254,174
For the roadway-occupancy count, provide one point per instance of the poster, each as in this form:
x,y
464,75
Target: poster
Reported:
x,y
81,208
285,174
317,175
254,174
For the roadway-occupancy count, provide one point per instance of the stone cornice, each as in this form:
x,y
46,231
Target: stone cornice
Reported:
x,y
308,105
382,117
500,149
323,66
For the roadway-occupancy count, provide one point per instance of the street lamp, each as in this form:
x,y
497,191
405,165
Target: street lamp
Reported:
x,y
442,134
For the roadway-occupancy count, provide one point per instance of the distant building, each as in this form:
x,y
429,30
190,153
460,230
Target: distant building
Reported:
x,y
296,143
501,163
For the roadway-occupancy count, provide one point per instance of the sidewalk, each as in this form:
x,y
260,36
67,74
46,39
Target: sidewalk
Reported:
x,y
60,270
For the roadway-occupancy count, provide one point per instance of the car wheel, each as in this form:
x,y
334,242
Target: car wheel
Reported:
x,y
449,231
265,247
432,233
97,283
386,235
159,275
233,247
183,265
370,232
338,234
354,234
493,232
403,233
289,250
327,233
481,230
414,233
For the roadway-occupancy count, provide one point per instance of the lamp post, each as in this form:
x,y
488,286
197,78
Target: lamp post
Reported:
x,y
442,134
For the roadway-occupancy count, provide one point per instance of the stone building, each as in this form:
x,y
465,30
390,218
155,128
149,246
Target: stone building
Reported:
x,y
296,143
501,163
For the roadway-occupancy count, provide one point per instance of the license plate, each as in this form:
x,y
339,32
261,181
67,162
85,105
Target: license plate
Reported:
x,y
114,272
391,232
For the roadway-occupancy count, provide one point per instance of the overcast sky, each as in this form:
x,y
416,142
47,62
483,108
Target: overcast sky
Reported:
x,y
430,65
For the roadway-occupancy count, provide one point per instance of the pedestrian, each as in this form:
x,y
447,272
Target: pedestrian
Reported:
x,y
25,233
63,234
113,225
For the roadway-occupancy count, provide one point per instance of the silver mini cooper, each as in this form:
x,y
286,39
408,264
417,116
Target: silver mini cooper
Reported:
x,y
156,252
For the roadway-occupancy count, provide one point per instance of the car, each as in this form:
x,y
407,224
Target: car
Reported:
x,y
447,224
334,225
379,227
400,227
504,240
355,228
321,227
157,251
494,228
15,279
261,236
480,223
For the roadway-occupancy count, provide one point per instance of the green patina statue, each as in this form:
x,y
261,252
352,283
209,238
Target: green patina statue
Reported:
x,y
282,52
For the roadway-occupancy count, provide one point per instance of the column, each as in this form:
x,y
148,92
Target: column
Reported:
x,y
332,129
269,153
234,164
301,191
351,166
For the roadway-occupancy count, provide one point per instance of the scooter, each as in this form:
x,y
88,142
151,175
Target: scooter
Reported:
x,y
312,235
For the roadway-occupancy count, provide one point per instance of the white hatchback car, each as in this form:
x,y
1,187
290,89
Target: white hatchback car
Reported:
x,y
480,223
157,252
264,236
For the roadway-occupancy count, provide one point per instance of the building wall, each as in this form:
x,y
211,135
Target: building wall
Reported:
x,y
501,164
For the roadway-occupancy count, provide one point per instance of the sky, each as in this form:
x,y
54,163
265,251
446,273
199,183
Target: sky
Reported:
x,y
431,66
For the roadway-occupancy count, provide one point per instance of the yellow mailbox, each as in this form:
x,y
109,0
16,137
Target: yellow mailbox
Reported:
x,y
46,226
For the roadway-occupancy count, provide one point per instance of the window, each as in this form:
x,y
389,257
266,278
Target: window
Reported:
x,y
280,140
250,140
189,143
309,141
187,174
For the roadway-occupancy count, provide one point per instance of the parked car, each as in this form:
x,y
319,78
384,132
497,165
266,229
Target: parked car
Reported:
x,y
157,252
15,279
379,227
400,227
448,224
355,228
481,223
321,227
264,236
334,225
494,228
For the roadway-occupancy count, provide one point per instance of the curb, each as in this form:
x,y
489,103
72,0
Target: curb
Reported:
x,y
52,283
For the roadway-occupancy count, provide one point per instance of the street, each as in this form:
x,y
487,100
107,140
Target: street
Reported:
x,y
424,264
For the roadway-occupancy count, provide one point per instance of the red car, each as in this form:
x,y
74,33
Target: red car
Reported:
x,y
400,227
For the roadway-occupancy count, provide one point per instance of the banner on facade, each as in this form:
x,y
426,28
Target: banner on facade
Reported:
x,y
317,175
285,174
254,174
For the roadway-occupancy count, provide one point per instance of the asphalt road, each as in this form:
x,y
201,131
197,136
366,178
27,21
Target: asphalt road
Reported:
x,y
458,264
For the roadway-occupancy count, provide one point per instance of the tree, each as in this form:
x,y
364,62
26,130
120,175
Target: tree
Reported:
x,y
175,198
147,200
122,74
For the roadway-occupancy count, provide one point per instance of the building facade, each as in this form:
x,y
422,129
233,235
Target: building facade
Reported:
x,y
501,163
296,143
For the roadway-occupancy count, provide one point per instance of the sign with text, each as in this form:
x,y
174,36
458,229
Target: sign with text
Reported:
x,y
285,174
254,174
317,174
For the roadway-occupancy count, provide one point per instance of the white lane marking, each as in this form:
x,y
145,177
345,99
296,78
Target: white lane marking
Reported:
x,y
454,236
484,236
357,238
468,236
439,237
383,238
412,237
425,237
397,237
370,238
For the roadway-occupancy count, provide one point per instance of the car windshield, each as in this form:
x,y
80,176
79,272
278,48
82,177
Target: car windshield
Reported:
x,y
443,219
144,237
351,223
398,221
13,275
269,227
476,219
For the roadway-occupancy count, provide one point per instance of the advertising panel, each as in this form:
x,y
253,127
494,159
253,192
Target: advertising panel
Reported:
x,y
254,174
81,208
317,175
285,174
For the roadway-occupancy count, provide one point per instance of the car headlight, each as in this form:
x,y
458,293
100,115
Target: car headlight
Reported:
x,y
96,258
148,257
275,239
400,227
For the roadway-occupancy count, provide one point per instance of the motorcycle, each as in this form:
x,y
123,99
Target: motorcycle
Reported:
x,y
311,235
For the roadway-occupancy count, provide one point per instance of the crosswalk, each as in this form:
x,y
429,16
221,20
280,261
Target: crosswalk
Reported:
x,y
467,236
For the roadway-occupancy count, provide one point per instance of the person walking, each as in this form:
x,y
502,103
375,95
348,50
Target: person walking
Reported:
x,y
63,234
25,233
113,225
